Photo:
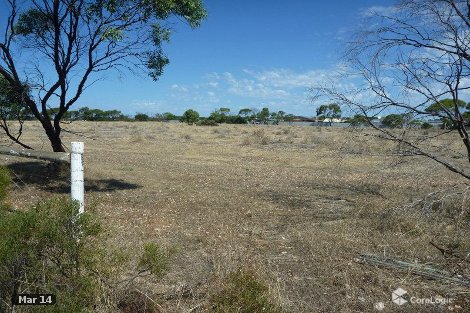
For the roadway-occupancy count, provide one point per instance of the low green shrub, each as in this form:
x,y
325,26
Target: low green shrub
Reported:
x,y
50,249
243,292
426,125
155,259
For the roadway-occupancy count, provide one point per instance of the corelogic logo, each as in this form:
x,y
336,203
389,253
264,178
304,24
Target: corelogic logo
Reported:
x,y
398,296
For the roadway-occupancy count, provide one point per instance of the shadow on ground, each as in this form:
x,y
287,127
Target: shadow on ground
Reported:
x,y
56,177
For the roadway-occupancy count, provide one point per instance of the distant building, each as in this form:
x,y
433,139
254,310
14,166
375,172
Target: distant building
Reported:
x,y
333,120
308,121
338,122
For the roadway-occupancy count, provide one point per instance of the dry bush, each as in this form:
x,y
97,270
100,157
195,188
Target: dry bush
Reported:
x,y
265,140
258,136
246,141
222,132
133,301
259,133
136,135
284,130
432,229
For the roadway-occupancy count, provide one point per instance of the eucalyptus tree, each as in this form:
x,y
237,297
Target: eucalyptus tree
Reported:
x,y
328,112
52,50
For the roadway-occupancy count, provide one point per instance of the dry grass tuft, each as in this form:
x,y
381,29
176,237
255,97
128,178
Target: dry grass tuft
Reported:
x,y
258,137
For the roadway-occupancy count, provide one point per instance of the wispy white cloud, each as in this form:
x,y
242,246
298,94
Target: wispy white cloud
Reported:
x,y
179,88
287,79
273,84
252,87
278,89
378,10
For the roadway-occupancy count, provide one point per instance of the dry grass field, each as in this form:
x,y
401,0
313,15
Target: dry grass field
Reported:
x,y
296,205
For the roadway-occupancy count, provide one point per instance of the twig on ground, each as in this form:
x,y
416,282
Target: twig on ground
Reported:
x,y
156,304
448,252
195,307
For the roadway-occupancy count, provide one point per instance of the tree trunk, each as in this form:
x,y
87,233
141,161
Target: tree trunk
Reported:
x,y
56,144
54,136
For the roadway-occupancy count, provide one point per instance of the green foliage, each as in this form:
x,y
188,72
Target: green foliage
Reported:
x,y
445,107
358,120
224,111
222,115
33,22
12,106
445,104
243,293
160,34
170,116
263,116
218,117
426,125
36,22
87,114
330,111
155,259
236,119
245,112
289,117
394,120
156,61
278,116
5,181
113,34
50,249
141,117
190,116
166,117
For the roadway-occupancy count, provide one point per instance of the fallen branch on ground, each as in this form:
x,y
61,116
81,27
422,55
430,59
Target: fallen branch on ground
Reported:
x,y
417,269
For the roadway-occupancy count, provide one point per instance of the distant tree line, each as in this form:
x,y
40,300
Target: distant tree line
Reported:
x,y
326,112
85,114
244,116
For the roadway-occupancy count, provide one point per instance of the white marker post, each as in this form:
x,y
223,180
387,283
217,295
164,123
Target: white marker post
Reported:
x,y
76,172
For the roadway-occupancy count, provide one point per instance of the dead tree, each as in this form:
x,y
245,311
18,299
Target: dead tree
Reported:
x,y
407,59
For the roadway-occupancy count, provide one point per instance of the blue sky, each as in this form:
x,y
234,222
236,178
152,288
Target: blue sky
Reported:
x,y
246,54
